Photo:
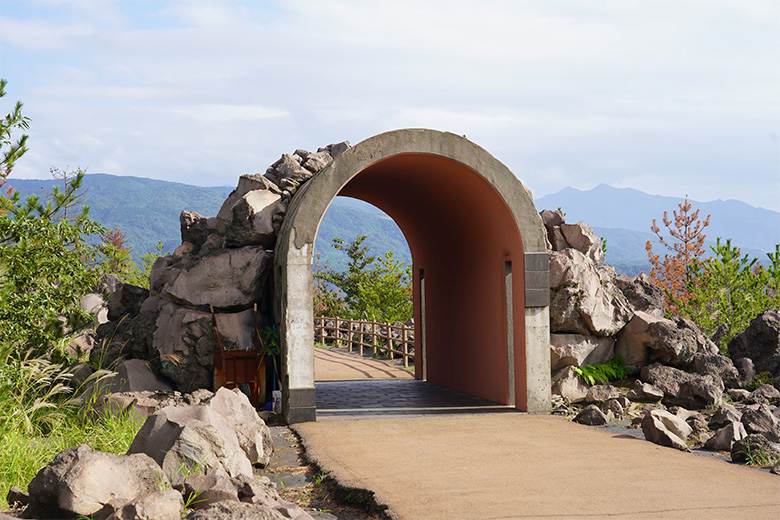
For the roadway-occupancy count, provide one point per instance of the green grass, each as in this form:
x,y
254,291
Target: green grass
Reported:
x,y
39,417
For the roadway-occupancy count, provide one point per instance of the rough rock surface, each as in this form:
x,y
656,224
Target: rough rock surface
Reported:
x,y
666,429
726,436
158,505
581,237
567,384
592,416
759,419
222,433
81,480
583,301
646,339
760,343
644,392
754,444
717,365
642,294
684,389
579,350
223,261
253,435
190,436
601,393
723,416
237,511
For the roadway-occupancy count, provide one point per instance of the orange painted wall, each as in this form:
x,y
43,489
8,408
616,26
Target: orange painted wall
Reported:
x,y
461,233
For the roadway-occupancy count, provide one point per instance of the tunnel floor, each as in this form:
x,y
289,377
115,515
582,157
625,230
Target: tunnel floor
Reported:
x,y
361,399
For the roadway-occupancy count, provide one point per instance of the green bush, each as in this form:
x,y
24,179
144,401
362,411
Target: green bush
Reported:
x,y
730,289
604,373
370,289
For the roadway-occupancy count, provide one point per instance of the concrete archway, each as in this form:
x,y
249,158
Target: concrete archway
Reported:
x,y
481,269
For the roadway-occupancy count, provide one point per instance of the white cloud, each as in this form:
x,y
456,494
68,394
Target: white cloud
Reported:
x,y
680,94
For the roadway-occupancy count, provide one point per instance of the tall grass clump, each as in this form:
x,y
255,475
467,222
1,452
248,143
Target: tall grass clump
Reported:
x,y
40,415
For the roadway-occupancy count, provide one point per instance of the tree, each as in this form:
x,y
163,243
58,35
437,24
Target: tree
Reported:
x,y
728,290
46,266
10,150
371,288
686,242
116,253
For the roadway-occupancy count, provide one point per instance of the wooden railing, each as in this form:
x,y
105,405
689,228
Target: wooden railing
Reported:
x,y
395,341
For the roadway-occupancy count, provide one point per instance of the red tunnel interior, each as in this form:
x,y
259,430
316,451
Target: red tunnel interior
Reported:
x,y
464,243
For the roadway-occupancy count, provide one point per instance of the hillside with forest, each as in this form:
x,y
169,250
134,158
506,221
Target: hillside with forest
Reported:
x,y
148,211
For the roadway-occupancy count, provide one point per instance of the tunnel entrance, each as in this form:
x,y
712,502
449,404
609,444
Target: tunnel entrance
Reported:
x,y
480,267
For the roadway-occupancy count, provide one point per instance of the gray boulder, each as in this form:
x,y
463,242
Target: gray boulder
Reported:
x,y
601,393
760,343
754,445
260,490
185,342
758,419
581,237
591,415
764,394
726,436
717,365
135,375
210,487
583,299
551,218
226,279
579,350
158,505
644,392
237,511
184,439
567,384
684,389
666,429
252,220
746,369
253,435
126,300
196,229
677,342
642,294
81,481
723,416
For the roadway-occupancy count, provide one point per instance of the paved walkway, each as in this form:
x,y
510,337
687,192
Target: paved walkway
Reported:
x,y
427,457
337,365
512,465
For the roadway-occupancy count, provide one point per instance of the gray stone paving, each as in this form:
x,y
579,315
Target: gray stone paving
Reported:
x,y
360,399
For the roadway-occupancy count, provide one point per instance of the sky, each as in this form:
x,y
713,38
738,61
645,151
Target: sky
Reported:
x,y
670,97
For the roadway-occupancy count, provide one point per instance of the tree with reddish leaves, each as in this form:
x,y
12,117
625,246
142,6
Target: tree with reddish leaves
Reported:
x,y
684,243
116,254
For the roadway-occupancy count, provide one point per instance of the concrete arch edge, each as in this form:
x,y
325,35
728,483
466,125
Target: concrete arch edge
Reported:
x,y
295,246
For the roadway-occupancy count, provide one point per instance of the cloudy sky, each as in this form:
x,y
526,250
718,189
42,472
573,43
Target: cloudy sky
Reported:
x,y
671,97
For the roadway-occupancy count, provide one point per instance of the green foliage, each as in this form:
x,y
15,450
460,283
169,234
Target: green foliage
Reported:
x,y
140,275
371,288
730,289
610,371
758,457
147,210
46,265
39,417
759,380
10,150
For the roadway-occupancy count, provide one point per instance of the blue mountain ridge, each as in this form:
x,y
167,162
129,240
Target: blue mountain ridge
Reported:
x,y
148,210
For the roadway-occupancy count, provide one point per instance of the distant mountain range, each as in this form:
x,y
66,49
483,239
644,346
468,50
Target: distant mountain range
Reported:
x,y
624,215
148,210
